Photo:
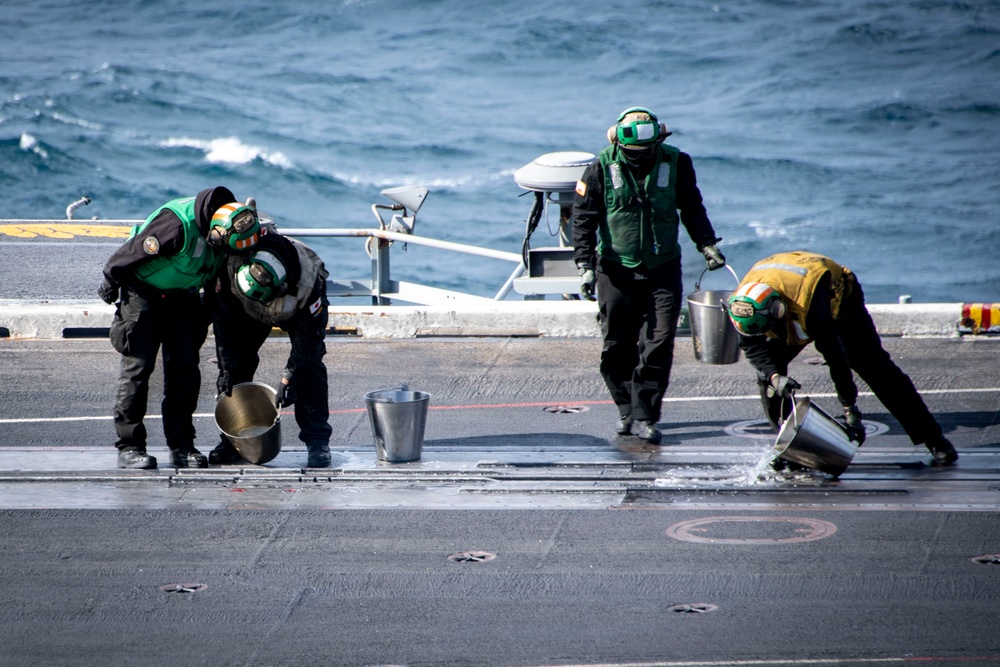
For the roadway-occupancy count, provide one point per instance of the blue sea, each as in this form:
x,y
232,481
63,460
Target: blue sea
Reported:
x,y
867,130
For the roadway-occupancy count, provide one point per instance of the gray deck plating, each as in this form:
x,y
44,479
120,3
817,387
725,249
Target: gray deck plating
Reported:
x,y
524,536
513,423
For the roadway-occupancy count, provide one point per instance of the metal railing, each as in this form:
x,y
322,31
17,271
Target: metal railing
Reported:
x,y
383,288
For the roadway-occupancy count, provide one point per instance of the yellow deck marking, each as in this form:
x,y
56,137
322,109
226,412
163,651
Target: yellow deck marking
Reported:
x,y
67,231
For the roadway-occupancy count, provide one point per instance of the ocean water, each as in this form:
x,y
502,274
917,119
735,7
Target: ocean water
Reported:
x,y
868,130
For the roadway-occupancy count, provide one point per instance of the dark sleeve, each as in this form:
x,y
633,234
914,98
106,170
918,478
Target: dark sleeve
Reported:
x,y
758,352
168,231
822,328
588,211
306,332
689,203
227,317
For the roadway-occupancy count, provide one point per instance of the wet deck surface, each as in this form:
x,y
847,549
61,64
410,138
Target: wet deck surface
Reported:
x,y
513,422
527,534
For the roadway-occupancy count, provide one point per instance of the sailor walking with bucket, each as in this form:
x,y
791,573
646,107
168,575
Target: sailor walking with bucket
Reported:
x,y
791,299
629,207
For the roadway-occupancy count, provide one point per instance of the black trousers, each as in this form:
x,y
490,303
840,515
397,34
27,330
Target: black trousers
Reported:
x,y
146,322
639,309
244,337
872,363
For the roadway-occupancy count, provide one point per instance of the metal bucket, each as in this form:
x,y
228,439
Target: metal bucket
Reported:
x,y
716,340
812,438
398,418
251,421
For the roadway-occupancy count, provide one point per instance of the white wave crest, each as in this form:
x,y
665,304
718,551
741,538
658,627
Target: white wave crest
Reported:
x,y
469,181
773,229
229,150
30,143
70,120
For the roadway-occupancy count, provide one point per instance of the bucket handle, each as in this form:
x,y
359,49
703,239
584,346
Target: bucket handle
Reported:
x,y
795,413
697,285
403,387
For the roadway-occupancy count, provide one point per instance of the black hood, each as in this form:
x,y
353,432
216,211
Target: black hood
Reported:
x,y
208,202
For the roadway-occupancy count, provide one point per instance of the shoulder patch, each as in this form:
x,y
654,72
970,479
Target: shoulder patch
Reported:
x,y
151,245
581,188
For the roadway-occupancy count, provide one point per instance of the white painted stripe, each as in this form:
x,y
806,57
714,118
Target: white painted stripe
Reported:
x,y
479,406
760,663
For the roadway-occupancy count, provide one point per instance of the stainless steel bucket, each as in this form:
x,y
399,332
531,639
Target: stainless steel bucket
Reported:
x,y
716,340
812,438
251,421
398,418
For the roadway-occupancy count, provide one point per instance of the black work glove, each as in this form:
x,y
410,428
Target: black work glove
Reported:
x,y
714,258
107,293
286,395
782,385
855,429
224,384
588,282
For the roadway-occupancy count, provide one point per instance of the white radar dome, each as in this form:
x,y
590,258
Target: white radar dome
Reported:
x,y
553,172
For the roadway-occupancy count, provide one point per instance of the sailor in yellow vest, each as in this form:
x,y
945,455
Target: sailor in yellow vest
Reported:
x,y
791,299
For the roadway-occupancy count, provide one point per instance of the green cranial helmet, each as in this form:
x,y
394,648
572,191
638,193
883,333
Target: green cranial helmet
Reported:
x,y
637,128
755,307
234,226
263,278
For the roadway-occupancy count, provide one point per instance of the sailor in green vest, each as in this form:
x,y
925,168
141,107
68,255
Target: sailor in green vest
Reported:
x,y
629,205
281,284
155,279
791,299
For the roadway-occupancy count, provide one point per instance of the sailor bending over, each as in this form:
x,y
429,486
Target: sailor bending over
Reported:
x,y
791,299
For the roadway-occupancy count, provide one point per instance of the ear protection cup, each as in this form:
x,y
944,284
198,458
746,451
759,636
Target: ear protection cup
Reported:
x,y
777,309
215,238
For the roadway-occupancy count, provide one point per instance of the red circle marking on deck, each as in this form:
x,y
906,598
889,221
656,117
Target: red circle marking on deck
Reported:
x,y
697,530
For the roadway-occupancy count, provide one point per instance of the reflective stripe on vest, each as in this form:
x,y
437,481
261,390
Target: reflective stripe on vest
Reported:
x,y
635,231
796,275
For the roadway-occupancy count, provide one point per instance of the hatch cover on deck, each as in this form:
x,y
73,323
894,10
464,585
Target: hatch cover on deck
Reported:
x,y
565,409
471,557
751,530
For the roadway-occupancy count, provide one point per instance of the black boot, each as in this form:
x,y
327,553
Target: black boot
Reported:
x,y
624,425
943,451
647,430
189,457
319,456
135,458
223,454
